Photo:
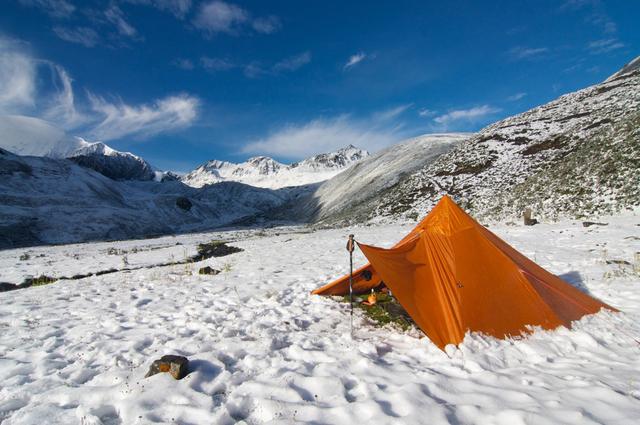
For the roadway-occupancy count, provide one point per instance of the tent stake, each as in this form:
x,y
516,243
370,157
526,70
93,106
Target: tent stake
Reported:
x,y
350,248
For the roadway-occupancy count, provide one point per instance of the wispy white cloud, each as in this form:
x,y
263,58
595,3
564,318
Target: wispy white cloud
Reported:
x,y
293,63
54,8
17,77
182,63
118,119
221,17
178,8
216,64
218,16
21,93
516,97
267,25
390,114
525,53
424,112
86,36
115,15
354,60
605,45
470,115
295,141
61,107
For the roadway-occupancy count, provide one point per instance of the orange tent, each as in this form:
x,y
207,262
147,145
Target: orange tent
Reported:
x,y
452,275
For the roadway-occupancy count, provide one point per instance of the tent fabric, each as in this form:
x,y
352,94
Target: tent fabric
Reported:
x,y
452,275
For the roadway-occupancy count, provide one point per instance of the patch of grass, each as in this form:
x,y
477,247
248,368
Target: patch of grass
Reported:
x,y
386,311
214,249
39,281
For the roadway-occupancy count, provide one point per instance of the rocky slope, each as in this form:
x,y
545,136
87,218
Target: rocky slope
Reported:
x,y
112,163
576,156
266,172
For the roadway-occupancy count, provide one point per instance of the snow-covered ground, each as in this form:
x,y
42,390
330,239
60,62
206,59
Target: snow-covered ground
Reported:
x,y
263,350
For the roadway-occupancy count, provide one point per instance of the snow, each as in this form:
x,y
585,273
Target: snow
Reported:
x,y
264,350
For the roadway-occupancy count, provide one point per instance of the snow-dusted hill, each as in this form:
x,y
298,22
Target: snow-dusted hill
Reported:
x,y
576,156
262,171
46,200
348,195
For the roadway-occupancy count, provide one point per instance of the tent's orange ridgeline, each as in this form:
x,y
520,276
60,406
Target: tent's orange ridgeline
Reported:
x,y
452,275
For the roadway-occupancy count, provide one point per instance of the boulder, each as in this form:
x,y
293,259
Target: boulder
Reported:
x,y
176,366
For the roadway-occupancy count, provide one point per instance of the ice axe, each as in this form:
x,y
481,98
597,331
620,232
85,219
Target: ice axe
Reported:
x,y
350,248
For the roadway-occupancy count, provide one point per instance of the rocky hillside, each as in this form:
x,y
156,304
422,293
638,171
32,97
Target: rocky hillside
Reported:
x,y
45,200
576,156
112,163
262,171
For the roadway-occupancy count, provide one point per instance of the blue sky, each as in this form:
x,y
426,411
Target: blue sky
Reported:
x,y
180,82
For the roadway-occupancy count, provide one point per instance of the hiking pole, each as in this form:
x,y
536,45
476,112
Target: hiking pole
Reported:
x,y
350,248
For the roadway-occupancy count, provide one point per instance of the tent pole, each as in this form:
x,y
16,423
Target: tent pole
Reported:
x,y
350,248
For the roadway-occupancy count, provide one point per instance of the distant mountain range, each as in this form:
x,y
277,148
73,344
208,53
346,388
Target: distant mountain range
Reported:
x,y
262,171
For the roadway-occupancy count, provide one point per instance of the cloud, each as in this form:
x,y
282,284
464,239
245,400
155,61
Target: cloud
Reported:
x,y
424,112
604,46
118,119
390,114
218,16
17,77
354,60
254,70
115,15
267,24
54,8
178,8
471,115
293,63
62,107
525,53
516,97
186,64
86,36
216,64
221,17
22,91
295,141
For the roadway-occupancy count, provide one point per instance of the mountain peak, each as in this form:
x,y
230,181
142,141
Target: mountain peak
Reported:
x,y
632,66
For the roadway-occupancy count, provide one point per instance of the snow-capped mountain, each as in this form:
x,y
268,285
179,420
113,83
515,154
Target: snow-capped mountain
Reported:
x,y
575,156
31,136
112,163
262,171
47,200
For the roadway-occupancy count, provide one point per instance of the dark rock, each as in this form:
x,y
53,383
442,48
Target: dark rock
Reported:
x,y
184,203
593,223
177,366
208,270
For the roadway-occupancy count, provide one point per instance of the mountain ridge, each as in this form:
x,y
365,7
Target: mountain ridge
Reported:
x,y
266,172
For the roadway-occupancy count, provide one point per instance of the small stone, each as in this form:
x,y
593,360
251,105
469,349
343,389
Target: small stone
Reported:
x,y
208,270
177,366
